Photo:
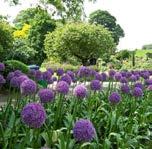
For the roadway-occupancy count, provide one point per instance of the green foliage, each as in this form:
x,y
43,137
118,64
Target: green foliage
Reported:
x,y
12,65
122,55
107,20
6,39
40,22
81,40
22,51
147,47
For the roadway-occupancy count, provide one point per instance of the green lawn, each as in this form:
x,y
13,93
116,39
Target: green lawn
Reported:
x,y
142,53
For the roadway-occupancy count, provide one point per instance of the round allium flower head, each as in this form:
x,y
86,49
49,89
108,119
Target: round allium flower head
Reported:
x,y
137,92
133,78
2,80
84,131
66,78
139,84
111,73
71,74
149,88
38,75
14,82
125,88
123,80
10,76
33,115
22,78
50,70
95,85
80,91
46,95
54,79
114,98
148,82
60,72
47,75
145,74
62,87
98,77
17,73
117,76
83,72
28,87
103,76
2,67
128,74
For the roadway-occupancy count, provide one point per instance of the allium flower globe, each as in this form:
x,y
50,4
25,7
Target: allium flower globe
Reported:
x,y
66,78
125,88
137,92
14,82
2,67
114,98
84,131
95,85
46,95
28,87
33,115
80,91
2,80
62,87
60,72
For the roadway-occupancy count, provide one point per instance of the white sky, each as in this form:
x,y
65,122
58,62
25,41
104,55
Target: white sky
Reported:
x,y
134,16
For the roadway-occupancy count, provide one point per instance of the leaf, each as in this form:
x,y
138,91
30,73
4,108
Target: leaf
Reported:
x,y
12,120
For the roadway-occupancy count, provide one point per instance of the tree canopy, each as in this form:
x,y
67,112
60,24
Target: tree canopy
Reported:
x,y
107,20
81,40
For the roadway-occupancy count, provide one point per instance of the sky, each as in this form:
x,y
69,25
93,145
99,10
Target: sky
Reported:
x,y
134,16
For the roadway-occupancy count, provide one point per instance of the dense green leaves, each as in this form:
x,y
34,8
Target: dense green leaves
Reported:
x,y
81,40
107,20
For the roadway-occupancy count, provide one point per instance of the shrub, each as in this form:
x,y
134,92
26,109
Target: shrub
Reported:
x,y
12,65
81,40
122,55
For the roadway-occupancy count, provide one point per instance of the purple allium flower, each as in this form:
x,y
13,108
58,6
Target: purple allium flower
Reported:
x,y
47,75
137,92
54,79
2,67
139,84
111,73
10,76
98,77
84,131
28,87
117,76
103,76
46,95
149,88
60,72
17,73
71,74
66,78
83,72
14,82
125,88
124,73
123,80
62,87
33,115
2,80
80,91
38,75
145,74
133,78
148,82
50,70
114,98
137,76
22,78
128,74
95,85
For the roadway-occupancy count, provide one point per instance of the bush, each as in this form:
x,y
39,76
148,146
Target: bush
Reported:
x,y
81,40
6,39
12,65
122,55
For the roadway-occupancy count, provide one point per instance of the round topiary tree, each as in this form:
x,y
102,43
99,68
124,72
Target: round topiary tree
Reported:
x,y
84,41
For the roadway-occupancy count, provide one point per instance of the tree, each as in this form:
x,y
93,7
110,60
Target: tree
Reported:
x,y
147,47
81,40
40,22
6,39
107,20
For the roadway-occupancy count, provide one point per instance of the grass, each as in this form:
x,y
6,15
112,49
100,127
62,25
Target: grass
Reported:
x,y
142,53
